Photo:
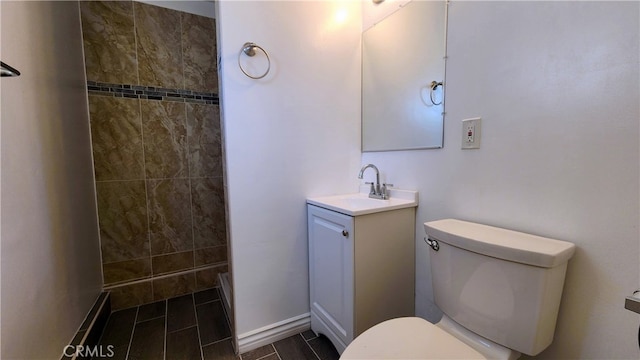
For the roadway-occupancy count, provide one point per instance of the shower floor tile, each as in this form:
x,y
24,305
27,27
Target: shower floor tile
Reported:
x,y
195,327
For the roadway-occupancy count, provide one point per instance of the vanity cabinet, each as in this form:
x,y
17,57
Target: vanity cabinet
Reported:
x,y
361,270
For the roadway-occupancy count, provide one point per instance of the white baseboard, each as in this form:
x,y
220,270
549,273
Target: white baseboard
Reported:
x,y
274,332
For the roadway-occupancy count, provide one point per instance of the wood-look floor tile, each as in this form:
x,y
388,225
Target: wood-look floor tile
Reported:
x,y
119,326
324,348
204,296
221,350
212,322
180,313
148,340
273,356
294,348
183,345
259,353
152,311
307,335
118,332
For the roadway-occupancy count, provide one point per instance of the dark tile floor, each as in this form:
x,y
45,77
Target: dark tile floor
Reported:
x,y
195,326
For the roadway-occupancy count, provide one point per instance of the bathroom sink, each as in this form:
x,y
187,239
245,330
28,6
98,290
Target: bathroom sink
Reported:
x,y
360,204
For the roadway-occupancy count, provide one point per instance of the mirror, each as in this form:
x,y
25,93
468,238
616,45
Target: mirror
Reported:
x,y
403,67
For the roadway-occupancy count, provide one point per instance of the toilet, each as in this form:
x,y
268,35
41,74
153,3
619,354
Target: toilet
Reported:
x,y
499,291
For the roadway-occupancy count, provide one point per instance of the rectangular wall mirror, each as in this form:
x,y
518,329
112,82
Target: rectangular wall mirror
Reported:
x,y
403,69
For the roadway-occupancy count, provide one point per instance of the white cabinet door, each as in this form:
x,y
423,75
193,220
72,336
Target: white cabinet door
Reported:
x,y
331,274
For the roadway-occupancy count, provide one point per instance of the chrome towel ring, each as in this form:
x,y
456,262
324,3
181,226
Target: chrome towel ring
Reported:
x,y
249,49
432,88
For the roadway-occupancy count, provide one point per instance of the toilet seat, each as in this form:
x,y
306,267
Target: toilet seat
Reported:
x,y
408,338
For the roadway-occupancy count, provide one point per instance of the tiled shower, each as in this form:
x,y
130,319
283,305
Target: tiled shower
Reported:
x,y
157,148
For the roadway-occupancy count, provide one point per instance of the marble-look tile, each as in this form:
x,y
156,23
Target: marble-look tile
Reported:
x,y
122,214
130,295
164,128
164,264
169,216
126,270
173,286
159,47
211,255
208,278
209,219
109,41
199,53
116,138
204,138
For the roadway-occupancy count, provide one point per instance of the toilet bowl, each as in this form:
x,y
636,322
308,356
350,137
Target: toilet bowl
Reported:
x,y
499,291
416,338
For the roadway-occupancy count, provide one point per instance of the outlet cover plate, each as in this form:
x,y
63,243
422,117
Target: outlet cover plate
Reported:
x,y
471,130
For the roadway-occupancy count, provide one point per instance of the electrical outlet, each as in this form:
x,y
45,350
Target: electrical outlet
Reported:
x,y
471,133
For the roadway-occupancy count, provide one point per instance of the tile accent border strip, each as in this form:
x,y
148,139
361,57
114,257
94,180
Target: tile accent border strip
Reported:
x,y
151,93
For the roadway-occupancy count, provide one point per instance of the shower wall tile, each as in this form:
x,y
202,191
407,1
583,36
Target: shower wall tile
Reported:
x,y
126,270
159,46
204,138
164,264
199,52
122,214
109,41
208,278
155,126
130,295
165,139
170,221
173,286
209,218
116,138
211,255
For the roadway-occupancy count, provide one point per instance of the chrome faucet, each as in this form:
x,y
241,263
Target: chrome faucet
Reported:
x,y
376,191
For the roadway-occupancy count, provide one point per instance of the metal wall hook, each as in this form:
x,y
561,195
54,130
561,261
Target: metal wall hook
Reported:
x,y
249,49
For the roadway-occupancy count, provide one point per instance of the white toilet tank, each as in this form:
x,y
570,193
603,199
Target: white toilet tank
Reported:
x,y
503,285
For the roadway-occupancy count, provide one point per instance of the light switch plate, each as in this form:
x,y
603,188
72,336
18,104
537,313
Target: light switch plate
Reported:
x,y
471,130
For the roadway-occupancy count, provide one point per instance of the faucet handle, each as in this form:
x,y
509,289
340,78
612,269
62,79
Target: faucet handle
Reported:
x,y
383,192
373,189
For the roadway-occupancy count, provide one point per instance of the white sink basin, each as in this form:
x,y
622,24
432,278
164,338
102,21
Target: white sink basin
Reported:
x,y
360,203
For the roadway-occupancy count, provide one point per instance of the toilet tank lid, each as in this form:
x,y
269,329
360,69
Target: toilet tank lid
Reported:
x,y
501,243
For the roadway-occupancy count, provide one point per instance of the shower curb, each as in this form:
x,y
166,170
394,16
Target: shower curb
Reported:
x,y
88,335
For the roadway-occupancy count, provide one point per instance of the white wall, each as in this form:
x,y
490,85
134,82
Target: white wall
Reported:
x,y
291,135
50,260
374,13
557,87
198,7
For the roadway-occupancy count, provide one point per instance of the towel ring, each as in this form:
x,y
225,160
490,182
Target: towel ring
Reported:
x,y
432,88
249,49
